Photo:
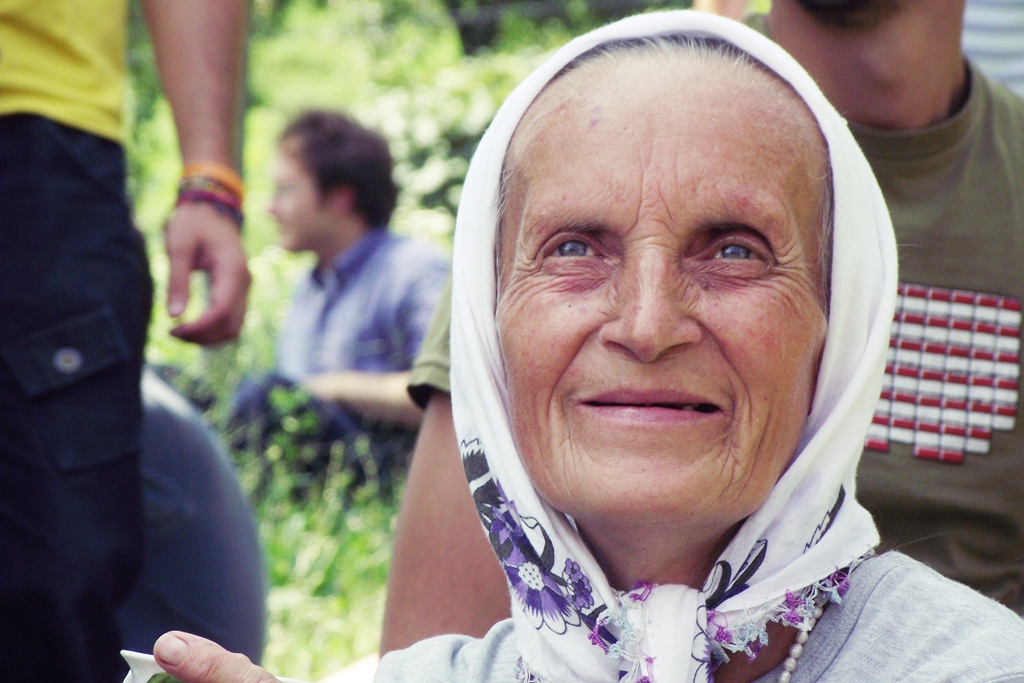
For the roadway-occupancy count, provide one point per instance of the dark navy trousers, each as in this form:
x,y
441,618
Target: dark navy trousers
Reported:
x,y
73,312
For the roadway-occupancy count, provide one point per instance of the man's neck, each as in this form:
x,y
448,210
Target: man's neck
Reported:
x,y
904,73
346,238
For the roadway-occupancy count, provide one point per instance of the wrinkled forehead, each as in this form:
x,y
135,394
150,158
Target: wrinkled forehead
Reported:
x,y
609,75
669,94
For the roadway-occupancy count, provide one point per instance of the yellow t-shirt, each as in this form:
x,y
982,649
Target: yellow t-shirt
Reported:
x,y
64,59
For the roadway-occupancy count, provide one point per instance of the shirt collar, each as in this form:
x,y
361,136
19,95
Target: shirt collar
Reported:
x,y
351,260
927,143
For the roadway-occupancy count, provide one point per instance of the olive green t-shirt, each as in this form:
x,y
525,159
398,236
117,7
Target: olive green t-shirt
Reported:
x,y
944,470
433,364
944,476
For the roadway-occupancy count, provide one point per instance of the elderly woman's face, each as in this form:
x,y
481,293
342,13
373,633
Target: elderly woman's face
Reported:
x,y
659,309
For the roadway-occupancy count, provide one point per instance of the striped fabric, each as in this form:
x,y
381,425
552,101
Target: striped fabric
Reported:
x,y
952,372
994,40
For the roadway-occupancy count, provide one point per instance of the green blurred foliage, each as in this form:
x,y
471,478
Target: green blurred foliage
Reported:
x,y
507,24
396,66
328,552
163,678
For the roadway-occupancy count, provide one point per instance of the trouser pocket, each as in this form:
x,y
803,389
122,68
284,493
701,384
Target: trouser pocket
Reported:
x,y
78,375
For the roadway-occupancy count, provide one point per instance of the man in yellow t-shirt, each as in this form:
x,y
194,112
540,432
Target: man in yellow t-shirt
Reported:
x,y
73,308
943,472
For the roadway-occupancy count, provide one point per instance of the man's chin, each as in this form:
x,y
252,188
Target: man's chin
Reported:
x,y
851,14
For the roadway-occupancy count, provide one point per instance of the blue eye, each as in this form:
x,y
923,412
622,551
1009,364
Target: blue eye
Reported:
x,y
573,248
734,251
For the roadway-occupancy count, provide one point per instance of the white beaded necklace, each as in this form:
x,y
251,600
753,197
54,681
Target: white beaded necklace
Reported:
x,y
789,665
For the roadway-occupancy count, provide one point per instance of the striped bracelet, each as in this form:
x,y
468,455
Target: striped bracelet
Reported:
x,y
214,184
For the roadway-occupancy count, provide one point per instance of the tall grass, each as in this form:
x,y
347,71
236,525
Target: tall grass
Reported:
x,y
328,564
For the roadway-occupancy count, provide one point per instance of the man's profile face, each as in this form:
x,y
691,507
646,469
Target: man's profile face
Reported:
x,y
297,204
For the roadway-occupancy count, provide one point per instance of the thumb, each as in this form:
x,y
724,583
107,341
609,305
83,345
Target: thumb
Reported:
x,y
198,660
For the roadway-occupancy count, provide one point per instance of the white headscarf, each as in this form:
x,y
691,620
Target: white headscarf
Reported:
x,y
570,625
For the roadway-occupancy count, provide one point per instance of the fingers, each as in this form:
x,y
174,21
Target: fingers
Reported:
x,y
180,257
222,320
197,660
199,238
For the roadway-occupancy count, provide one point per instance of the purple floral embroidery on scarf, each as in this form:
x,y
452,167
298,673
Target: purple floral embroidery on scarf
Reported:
x,y
579,585
549,599
522,673
540,592
527,555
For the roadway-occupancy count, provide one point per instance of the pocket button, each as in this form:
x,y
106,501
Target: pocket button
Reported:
x,y
67,360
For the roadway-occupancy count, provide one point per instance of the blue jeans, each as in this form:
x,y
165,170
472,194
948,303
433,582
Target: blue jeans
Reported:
x,y
203,570
73,308
257,418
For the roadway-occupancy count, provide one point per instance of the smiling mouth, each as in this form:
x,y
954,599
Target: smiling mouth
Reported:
x,y
693,407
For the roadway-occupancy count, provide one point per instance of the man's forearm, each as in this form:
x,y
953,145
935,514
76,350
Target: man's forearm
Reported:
x,y
428,594
198,45
199,52
734,9
378,396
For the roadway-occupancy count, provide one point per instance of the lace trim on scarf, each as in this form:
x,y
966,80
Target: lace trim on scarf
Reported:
x,y
748,635
627,620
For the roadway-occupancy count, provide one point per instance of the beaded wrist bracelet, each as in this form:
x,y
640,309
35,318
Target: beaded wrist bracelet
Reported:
x,y
215,184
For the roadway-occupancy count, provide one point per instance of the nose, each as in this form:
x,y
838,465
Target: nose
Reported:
x,y
655,306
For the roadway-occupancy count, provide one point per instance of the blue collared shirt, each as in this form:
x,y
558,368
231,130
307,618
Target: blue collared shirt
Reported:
x,y
369,312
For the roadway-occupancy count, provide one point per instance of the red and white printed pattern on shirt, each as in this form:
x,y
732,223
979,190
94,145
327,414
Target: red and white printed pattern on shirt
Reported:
x,y
951,377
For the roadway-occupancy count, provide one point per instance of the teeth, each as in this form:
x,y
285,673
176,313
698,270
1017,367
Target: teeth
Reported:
x,y
692,407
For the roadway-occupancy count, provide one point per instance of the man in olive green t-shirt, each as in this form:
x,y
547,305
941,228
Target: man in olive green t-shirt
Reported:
x,y
944,469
